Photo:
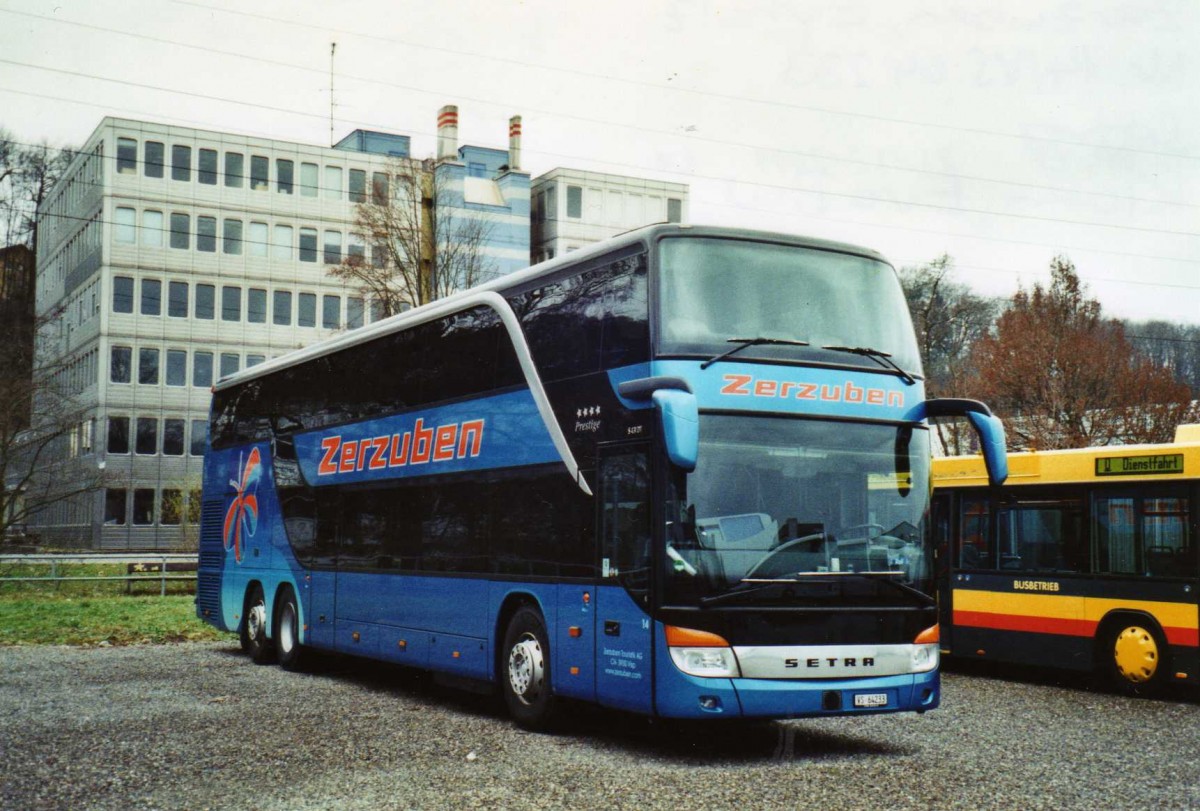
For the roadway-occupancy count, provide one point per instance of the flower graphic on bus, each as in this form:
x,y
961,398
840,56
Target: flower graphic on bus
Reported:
x,y
242,516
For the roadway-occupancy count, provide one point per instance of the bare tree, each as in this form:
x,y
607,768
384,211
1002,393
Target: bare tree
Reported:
x,y
40,419
948,319
422,245
1063,376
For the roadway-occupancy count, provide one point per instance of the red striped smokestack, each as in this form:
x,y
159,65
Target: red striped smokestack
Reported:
x,y
514,143
447,130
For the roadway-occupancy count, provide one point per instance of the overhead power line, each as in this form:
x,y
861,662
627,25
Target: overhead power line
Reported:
x,y
639,167
525,108
684,90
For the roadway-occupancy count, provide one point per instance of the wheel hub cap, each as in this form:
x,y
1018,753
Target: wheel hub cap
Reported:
x,y
1136,654
287,629
526,669
256,620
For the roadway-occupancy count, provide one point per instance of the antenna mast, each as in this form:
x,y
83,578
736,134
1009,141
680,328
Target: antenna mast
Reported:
x,y
332,49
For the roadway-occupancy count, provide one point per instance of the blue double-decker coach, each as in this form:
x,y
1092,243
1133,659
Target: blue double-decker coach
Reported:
x,y
684,472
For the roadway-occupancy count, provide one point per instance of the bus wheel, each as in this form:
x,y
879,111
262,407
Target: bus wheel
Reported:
x,y
254,628
526,671
1136,657
287,633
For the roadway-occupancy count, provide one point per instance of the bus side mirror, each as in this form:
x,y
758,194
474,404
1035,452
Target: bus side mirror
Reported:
x,y
679,418
678,415
987,426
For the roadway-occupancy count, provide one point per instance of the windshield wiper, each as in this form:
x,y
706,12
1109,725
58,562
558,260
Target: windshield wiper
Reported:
x,y
878,355
745,343
757,586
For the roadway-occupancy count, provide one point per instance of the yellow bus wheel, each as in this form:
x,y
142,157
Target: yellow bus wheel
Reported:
x,y
1136,658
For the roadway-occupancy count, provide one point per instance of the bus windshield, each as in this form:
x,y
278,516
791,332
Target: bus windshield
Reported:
x,y
716,290
800,511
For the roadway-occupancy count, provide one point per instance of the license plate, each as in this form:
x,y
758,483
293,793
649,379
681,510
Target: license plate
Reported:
x,y
871,700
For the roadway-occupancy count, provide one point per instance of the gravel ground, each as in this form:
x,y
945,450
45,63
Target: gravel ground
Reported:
x,y
198,726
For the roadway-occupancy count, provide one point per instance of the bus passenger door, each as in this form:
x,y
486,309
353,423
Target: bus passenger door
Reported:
x,y
623,626
940,524
321,579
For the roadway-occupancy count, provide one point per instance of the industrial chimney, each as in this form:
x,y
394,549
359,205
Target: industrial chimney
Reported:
x,y
447,130
514,143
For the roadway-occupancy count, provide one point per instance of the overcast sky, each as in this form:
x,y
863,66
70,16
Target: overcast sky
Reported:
x,y
1002,134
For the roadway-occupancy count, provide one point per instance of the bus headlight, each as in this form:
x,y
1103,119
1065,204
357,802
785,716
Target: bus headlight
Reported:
x,y
925,650
700,653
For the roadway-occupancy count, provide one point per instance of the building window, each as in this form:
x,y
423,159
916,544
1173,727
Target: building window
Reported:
x,y
259,166
674,210
379,188
333,247
176,367
356,252
202,369
206,234
358,186
181,162
152,229
307,315
308,244
575,201
148,366
257,240
143,507
256,305
254,360
125,226
114,506
331,311
477,169
354,312
154,158
206,167
284,170
151,297
376,310
232,241
199,437
333,183
170,507
147,436
177,299
173,437
181,231
308,180
551,204
121,364
281,247
123,294
230,362
281,308
235,169
231,303
118,435
126,156
206,295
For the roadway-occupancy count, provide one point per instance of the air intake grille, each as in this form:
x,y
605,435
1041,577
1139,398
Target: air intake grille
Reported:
x,y
212,559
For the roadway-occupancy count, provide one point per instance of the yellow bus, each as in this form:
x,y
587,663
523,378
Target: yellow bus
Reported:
x,y
1083,559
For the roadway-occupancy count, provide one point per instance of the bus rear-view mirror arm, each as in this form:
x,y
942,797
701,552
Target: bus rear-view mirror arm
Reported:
x,y
678,415
987,425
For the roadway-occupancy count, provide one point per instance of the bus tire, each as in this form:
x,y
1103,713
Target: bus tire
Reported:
x,y
287,632
1134,657
525,671
254,627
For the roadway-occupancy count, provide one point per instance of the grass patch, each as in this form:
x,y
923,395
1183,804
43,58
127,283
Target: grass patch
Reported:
x,y
49,618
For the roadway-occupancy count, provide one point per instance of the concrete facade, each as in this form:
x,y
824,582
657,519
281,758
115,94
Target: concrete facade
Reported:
x,y
573,208
171,256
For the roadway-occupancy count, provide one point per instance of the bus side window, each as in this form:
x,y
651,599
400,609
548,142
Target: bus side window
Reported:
x,y
1045,538
625,520
975,550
